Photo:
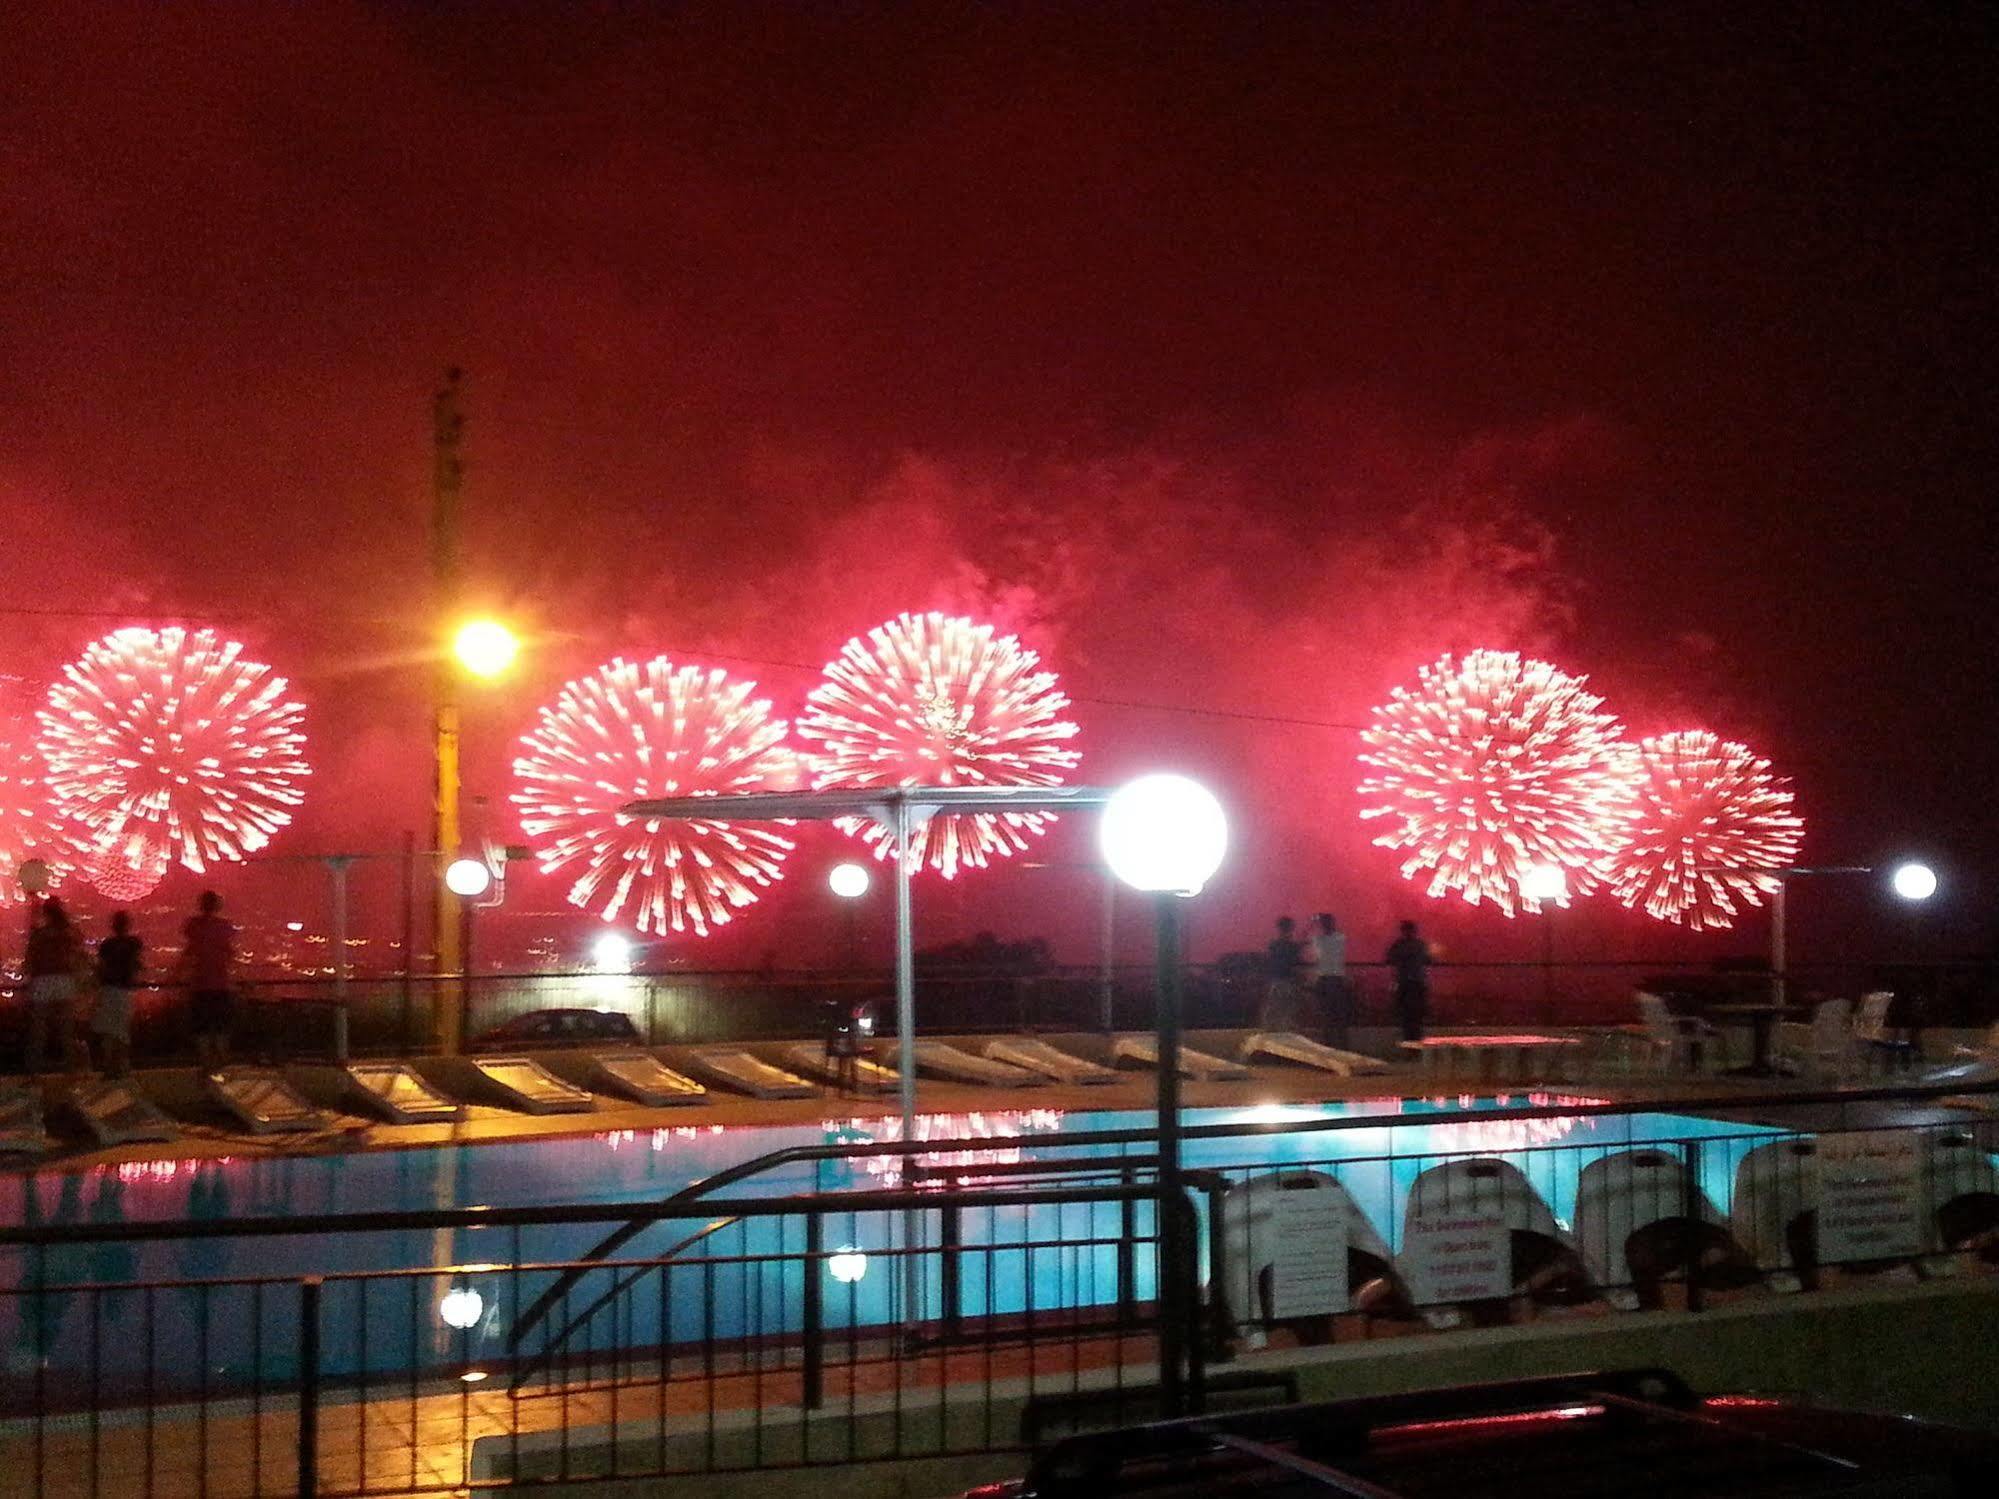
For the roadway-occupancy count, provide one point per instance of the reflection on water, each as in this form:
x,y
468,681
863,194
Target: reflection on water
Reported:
x,y
985,1124
1511,1134
659,1139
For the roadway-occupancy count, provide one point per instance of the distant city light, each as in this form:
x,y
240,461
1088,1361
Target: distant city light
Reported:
x,y
1913,881
847,1265
171,745
1164,833
469,878
630,731
1490,765
1709,828
940,700
849,881
612,953
294,926
485,647
461,1307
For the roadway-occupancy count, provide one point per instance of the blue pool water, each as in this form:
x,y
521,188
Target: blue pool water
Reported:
x,y
369,1322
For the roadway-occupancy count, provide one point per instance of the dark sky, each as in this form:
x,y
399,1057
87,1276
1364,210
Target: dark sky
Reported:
x,y
1657,338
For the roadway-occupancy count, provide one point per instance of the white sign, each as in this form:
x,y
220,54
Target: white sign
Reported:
x,y
1870,1195
1308,1262
1458,1257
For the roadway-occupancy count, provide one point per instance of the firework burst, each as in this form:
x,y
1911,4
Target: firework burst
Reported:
x,y
1490,767
30,827
935,700
173,743
629,731
1708,826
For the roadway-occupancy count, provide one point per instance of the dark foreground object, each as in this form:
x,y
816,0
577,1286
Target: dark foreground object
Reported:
x,y
1612,1434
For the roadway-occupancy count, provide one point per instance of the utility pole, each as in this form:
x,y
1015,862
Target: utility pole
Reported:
x,y
447,484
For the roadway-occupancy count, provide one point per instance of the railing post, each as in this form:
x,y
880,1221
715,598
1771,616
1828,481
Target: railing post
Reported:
x,y
308,1386
1127,1253
1690,1209
814,1371
950,1239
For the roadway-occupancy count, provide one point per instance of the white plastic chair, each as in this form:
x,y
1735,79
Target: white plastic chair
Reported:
x,y
1775,1185
1668,1039
1825,1047
1249,1233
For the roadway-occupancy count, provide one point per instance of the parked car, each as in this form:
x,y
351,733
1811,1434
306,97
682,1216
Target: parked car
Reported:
x,y
566,1027
1565,1437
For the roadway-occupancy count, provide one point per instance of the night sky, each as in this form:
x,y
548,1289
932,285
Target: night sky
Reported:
x,y
1243,357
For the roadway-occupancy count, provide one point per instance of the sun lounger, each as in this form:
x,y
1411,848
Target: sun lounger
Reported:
x,y
21,1130
113,1114
1288,1046
1963,1194
1634,1229
1544,1262
398,1095
1144,1050
1773,1209
940,1059
732,1067
636,1074
810,1058
262,1101
530,1087
1037,1056
1249,1247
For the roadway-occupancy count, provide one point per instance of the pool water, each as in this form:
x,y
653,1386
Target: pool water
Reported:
x,y
1377,1162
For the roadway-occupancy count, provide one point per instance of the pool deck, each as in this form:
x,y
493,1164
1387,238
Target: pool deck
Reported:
x,y
206,1133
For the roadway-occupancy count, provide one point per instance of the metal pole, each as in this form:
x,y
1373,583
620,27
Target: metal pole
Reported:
x,y
448,426
1777,938
308,1386
336,869
1107,1000
905,975
409,937
1172,1260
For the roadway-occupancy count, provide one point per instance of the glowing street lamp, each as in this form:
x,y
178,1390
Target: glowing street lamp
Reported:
x,y
849,881
1165,835
485,647
468,879
612,953
1546,885
1913,881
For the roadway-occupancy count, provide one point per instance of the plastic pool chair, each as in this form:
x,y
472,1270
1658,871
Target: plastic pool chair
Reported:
x,y
1198,1065
1546,1266
1036,1055
1249,1248
955,1065
1666,1039
1288,1046
1635,1231
1774,1210
1826,1047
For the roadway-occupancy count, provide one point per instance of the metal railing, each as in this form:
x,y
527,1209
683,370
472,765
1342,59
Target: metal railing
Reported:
x,y
779,1331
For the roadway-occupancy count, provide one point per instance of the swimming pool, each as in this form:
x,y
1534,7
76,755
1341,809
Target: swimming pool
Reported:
x,y
1377,1161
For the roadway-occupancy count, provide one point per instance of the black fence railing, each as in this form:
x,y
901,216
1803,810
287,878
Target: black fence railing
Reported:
x,y
408,1352
282,1019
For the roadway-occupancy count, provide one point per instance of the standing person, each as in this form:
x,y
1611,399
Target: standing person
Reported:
x,y
1409,957
205,961
1329,978
1283,958
54,952
118,958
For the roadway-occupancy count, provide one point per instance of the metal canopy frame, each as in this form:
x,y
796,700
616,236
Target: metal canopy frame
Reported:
x,y
900,809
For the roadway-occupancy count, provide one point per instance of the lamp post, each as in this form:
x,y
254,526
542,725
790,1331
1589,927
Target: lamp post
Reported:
x,y
1909,880
1547,884
850,881
1165,835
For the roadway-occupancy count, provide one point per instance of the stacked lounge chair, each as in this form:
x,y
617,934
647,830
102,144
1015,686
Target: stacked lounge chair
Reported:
x,y
113,1113
1634,1229
262,1101
530,1087
21,1128
941,1059
634,1073
1545,1264
732,1067
1032,1054
1289,1046
810,1058
1144,1052
395,1092
1249,1248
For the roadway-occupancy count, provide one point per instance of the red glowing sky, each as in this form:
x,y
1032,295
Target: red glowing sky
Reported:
x,y
1243,358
